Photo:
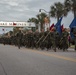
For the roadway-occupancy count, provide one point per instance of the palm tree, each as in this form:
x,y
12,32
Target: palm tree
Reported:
x,y
40,18
34,20
71,5
57,10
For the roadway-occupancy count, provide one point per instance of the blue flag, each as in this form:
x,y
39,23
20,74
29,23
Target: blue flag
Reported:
x,y
72,25
59,22
59,30
58,26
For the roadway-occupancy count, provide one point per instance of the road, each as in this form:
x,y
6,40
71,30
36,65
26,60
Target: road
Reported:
x,y
14,61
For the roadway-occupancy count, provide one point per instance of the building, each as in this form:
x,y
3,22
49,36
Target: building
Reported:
x,y
17,24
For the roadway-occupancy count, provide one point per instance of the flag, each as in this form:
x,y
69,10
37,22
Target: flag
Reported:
x,y
58,26
59,22
51,26
62,27
72,25
59,30
72,35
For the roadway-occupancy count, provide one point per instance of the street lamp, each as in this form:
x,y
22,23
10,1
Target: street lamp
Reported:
x,y
48,15
43,10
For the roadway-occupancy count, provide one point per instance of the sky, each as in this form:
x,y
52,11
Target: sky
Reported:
x,y
22,10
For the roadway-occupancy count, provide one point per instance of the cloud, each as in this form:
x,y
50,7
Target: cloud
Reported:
x,y
22,10
13,4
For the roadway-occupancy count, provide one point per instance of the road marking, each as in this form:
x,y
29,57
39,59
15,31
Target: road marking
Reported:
x,y
54,55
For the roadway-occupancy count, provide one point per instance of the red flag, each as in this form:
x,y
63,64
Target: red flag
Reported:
x,y
62,27
51,26
14,23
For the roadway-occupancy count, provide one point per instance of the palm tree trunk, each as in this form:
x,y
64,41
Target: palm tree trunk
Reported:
x,y
41,26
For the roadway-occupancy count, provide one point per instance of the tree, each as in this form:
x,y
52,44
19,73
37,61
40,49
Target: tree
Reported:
x,y
58,10
41,18
34,20
70,5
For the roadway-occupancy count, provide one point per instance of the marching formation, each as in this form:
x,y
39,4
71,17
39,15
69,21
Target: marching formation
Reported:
x,y
49,39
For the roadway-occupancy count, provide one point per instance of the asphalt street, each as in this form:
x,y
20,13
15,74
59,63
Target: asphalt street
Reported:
x,y
14,61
